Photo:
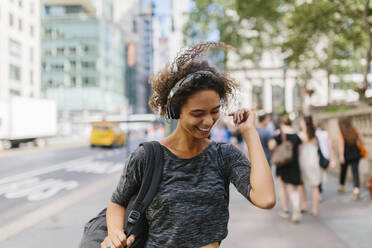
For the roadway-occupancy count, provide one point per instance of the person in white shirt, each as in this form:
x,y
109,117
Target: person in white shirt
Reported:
x,y
326,148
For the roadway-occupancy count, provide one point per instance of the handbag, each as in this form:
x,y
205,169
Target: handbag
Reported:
x,y
135,221
283,153
363,151
323,162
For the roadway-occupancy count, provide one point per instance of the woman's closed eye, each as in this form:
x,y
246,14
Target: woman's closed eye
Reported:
x,y
202,114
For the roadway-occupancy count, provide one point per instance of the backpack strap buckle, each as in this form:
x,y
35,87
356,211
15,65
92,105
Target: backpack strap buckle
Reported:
x,y
134,216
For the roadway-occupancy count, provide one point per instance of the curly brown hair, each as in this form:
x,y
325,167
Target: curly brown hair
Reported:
x,y
184,64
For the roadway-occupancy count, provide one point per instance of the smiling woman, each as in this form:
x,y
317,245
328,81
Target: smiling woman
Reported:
x,y
190,208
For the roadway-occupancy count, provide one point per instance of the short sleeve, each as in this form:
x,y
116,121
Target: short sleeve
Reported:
x,y
131,178
238,168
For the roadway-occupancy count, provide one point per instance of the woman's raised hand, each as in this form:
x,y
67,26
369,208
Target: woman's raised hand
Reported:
x,y
244,119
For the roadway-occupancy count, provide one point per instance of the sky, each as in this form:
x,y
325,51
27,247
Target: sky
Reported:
x,y
163,12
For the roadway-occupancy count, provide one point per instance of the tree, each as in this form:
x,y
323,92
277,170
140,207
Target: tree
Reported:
x,y
329,35
319,38
239,23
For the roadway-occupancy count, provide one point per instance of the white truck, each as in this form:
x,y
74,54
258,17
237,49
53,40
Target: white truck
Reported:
x,y
26,120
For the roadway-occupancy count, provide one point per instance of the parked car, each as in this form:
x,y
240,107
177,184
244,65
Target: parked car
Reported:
x,y
107,134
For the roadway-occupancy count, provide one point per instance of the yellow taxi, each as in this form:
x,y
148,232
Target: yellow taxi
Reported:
x,y
106,134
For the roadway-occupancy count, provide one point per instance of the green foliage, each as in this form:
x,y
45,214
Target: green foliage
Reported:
x,y
332,35
336,109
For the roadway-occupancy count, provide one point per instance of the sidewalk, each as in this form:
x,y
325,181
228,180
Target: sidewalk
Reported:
x,y
342,223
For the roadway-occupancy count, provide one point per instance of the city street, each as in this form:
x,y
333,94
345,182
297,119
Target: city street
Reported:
x,y
47,195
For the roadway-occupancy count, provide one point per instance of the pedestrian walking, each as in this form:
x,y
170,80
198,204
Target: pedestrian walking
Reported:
x,y
190,208
309,163
289,174
156,132
270,123
220,133
266,135
349,154
326,150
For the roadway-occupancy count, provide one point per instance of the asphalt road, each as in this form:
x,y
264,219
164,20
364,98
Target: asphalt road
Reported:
x,y
57,220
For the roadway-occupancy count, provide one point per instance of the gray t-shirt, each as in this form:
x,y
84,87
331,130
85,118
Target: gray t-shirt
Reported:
x,y
190,208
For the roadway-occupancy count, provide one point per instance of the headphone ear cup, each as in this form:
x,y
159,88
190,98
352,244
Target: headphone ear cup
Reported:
x,y
170,113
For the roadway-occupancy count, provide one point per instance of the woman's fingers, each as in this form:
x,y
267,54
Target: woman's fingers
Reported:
x,y
107,243
121,236
240,116
117,243
130,240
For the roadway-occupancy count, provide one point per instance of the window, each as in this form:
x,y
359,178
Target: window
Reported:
x,y
31,77
20,24
88,65
14,73
73,64
32,8
73,82
48,33
57,67
32,31
89,81
14,92
60,51
72,50
31,54
48,52
14,48
11,20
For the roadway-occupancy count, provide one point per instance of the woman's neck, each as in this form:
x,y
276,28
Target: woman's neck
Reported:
x,y
181,142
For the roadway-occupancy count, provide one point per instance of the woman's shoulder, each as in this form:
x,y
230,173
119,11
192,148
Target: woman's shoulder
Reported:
x,y
225,148
229,153
137,156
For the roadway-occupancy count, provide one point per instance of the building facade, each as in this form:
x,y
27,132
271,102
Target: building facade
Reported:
x,y
83,59
19,48
136,18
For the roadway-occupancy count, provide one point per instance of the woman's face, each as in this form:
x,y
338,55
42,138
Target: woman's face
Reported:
x,y
199,113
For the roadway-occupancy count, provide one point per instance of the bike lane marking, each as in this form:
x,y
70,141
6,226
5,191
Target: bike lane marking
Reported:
x,y
30,219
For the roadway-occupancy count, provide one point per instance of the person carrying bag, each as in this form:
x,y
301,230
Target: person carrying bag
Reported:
x,y
283,153
135,224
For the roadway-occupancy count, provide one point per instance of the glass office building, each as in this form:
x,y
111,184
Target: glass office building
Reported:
x,y
83,59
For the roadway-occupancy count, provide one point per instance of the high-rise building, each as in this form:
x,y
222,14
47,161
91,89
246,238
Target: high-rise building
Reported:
x,y
180,8
136,17
83,57
19,48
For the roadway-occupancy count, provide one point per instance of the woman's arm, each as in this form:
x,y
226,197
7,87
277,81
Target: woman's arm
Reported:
x,y
341,147
262,184
332,157
262,192
116,237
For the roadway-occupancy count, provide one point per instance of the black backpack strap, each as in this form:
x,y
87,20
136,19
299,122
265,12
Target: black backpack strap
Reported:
x,y
150,182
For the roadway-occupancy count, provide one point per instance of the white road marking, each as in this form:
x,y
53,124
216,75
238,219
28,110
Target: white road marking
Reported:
x,y
30,186
30,219
58,186
34,189
38,172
